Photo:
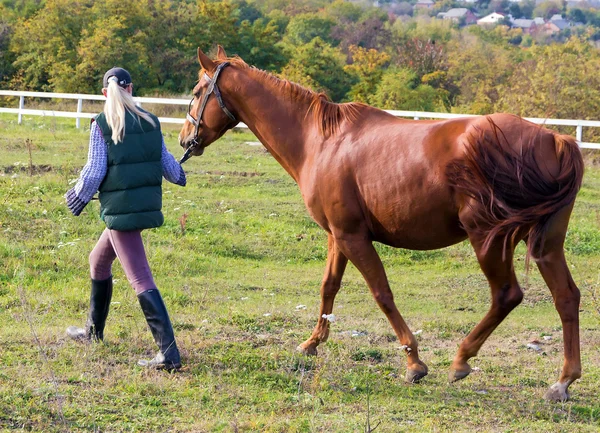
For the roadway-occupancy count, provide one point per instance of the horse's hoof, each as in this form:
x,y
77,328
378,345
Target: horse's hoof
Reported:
x,y
557,392
414,375
307,349
456,375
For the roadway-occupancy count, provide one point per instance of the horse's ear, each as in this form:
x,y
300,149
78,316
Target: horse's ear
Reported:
x,y
221,54
205,62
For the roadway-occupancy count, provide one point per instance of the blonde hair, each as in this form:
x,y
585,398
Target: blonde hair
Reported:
x,y
118,102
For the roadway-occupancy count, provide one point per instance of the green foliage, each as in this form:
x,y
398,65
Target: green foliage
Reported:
x,y
46,45
546,85
303,28
478,68
6,57
399,90
547,9
344,12
67,45
323,65
368,67
258,44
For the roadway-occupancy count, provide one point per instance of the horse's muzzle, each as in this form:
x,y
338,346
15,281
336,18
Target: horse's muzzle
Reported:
x,y
193,149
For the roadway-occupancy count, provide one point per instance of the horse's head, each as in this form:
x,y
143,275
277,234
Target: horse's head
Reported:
x,y
208,117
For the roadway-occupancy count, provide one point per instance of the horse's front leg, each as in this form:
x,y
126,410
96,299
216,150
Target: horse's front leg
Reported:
x,y
332,279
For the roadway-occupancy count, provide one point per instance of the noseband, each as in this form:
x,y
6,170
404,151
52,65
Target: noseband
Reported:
x,y
212,88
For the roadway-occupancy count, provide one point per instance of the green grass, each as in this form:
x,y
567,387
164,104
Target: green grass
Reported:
x,y
247,256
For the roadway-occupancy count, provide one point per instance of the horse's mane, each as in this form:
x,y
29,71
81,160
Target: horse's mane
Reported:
x,y
326,114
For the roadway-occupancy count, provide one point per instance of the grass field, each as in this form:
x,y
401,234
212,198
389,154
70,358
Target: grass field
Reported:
x,y
239,263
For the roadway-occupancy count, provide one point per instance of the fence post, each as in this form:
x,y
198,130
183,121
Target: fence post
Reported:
x,y
21,105
579,133
79,107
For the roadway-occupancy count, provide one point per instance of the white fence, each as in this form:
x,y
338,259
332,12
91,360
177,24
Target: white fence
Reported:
x,y
79,114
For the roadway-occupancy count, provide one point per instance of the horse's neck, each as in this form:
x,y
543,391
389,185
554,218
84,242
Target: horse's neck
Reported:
x,y
279,124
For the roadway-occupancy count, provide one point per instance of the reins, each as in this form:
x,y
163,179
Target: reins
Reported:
x,y
212,88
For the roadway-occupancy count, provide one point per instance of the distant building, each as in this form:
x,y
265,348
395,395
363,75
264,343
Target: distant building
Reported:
x,y
555,26
528,26
491,19
424,4
458,14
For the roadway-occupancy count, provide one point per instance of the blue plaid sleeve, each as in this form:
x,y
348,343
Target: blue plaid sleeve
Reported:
x,y
91,175
172,170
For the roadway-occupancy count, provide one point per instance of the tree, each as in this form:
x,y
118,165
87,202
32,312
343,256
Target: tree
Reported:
x,y
401,8
247,11
304,28
527,7
420,55
399,90
549,84
344,12
322,66
515,10
547,9
258,44
477,68
6,57
368,33
45,45
576,15
110,44
367,66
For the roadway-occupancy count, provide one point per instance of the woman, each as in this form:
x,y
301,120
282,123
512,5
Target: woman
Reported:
x,y
126,162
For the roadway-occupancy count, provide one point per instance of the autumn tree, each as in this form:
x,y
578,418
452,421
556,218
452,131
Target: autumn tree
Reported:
x,y
368,67
478,69
45,45
549,84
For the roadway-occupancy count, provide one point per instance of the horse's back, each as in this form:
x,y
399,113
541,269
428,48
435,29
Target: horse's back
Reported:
x,y
510,133
390,175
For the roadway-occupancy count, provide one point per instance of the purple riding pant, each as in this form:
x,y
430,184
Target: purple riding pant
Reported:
x,y
128,247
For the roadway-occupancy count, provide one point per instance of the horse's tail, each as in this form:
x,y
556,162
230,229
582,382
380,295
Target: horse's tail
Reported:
x,y
517,198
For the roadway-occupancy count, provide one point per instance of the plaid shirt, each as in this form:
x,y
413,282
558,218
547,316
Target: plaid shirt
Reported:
x,y
93,172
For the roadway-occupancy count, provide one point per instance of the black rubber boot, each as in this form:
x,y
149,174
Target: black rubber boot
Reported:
x,y
99,305
158,320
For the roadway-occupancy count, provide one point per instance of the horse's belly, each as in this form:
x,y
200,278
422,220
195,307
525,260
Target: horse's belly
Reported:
x,y
419,231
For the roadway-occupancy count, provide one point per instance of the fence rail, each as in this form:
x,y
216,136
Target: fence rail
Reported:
x,y
79,114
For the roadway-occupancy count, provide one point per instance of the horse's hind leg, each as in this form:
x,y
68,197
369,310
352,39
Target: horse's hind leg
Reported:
x,y
554,270
360,251
506,295
332,279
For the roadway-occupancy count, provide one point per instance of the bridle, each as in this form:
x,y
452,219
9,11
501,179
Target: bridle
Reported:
x,y
212,88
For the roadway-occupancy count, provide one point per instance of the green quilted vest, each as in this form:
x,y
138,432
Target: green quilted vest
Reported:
x,y
131,192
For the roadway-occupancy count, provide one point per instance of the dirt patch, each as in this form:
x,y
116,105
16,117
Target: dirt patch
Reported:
x,y
41,168
232,173
37,169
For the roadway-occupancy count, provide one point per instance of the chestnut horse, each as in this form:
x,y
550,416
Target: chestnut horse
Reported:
x,y
368,176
